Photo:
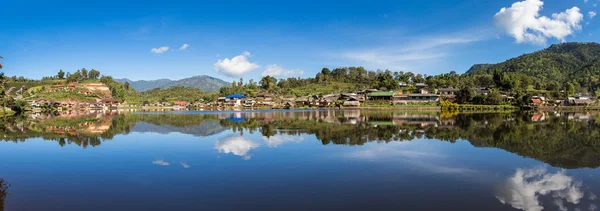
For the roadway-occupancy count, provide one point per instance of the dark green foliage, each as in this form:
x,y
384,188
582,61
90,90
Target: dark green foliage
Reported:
x,y
572,67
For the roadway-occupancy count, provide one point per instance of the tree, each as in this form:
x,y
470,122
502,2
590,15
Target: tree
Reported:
x,y
94,74
325,71
268,82
570,89
1,65
84,73
126,85
61,74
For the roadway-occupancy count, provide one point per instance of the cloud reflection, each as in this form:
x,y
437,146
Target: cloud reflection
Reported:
x,y
185,165
277,140
236,145
523,189
160,162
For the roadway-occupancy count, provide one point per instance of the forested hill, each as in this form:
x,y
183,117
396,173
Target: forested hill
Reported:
x,y
551,68
203,82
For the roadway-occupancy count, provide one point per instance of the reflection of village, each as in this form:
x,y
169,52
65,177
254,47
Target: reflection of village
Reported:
x,y
101,119
543,116
73,122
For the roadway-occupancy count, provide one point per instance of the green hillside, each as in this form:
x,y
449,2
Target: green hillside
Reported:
x,y
555,68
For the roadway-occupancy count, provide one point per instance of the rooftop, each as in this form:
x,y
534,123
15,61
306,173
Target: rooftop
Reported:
x,y
380,94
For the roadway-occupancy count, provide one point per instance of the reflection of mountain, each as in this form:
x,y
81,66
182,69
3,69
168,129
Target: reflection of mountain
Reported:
x,y
526,189
206,128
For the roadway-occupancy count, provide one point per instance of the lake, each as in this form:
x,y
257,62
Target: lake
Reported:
x,y
301,160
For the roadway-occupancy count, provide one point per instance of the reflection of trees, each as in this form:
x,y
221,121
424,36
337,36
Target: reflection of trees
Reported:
x,y
3,193
557,141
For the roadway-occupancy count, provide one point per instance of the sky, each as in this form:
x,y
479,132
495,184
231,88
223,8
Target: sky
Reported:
x,y
147,40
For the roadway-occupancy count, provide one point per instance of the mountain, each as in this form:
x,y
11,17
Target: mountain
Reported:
x,y
203,82
551,68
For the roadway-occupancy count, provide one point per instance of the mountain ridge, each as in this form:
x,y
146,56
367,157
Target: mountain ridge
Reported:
x,y
203,82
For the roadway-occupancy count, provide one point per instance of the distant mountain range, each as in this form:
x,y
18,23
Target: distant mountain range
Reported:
x,y
203,82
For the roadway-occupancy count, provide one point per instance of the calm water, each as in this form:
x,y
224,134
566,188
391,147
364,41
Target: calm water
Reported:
x,y
304,160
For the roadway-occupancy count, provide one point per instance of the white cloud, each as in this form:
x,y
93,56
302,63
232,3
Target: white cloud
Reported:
x,y
237,66
183,47
160,50
236,145
521,190
523,21
277,140
276,70
161,162
592,14
415,51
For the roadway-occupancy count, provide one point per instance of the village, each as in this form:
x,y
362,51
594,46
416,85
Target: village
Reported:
x,y
423,97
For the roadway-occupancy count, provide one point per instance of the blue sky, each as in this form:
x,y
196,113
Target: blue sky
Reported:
x,y
233,39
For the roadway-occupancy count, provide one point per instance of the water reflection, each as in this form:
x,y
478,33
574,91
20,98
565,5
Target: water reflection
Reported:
x,y
566,140
526,187
276,140
236,145
396,159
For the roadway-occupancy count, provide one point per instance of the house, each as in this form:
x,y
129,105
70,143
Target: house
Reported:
x,y
109,103
482,91
249,103
423,97
402,84
380,96
426,90
352,102
347,96
538,101
235,99
289,105
288,99
579,101
302,101
400,99
420,85
180,104
448,91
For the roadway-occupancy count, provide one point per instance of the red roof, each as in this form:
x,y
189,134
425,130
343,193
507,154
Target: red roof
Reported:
x,y
536,101
180,103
